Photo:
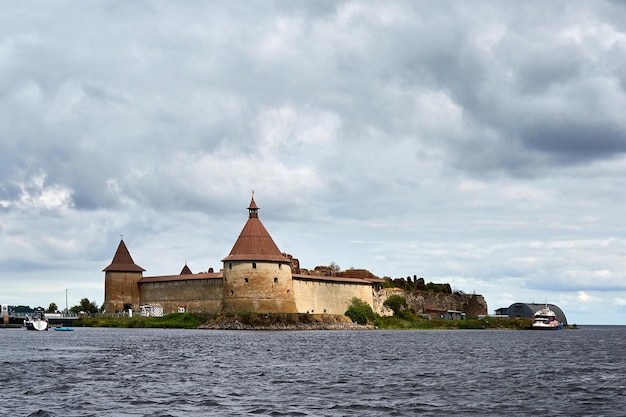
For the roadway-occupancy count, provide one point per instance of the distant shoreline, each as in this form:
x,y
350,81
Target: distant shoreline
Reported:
x,y
295,321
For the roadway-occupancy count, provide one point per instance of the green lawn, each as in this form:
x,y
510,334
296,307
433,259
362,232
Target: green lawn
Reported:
x,y
174,320
397,323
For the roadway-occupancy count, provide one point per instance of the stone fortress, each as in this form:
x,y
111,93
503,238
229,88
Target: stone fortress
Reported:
x,y
256,277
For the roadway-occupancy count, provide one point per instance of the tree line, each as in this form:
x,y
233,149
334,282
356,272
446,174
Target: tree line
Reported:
x,y
85,306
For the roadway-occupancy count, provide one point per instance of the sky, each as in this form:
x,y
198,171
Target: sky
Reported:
x,y
481,144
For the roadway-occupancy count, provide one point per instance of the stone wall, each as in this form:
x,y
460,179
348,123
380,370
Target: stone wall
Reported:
x,y
315,296
197,295
120,290
424,302
268,288
258,286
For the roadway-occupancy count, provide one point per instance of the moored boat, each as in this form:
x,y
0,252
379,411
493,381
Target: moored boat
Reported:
x,y
37,322
64,329
545,319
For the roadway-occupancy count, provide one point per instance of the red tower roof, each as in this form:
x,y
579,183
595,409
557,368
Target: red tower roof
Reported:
x,y
122,261
254,242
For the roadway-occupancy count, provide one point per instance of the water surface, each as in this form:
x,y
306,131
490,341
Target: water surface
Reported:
x,y
163,372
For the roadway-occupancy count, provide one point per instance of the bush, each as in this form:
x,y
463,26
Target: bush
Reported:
x,y
396,303
360,312
387,283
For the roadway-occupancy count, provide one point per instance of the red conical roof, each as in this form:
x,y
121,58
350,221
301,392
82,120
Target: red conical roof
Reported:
x,y
186,270
122,261
254,242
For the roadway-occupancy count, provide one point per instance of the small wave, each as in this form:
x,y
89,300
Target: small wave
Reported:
x,y
41,413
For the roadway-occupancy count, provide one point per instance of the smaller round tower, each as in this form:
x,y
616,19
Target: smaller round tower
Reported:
x,y
257,276
121,277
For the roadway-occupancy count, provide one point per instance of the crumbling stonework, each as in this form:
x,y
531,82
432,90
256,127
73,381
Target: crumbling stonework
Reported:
x,y
425,302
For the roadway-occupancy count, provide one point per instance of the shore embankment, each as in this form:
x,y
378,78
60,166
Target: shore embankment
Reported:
x,y
255,321
297,321
231,321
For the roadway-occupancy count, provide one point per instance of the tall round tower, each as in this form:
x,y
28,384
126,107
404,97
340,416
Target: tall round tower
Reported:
x,y
257,276
121,288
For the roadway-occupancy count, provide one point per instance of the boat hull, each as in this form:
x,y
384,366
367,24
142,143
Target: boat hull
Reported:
x,y
537,326
38,325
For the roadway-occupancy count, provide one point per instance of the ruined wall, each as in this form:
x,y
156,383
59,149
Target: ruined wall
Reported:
x,y
472,305
328,297
198,295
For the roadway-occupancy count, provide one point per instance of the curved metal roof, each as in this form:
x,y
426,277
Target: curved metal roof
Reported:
x,y
526,310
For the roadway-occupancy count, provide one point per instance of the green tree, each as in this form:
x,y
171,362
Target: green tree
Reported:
x,y
396,303
360,312
85,306
52,308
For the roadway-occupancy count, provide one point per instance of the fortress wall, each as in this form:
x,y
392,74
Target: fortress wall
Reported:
x,y
258,286
328,297
198,295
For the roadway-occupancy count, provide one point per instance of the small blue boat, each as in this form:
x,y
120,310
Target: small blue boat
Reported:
x,y
64,329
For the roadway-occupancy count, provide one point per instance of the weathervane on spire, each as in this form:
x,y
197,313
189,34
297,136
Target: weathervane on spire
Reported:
x,y
253,208
121,237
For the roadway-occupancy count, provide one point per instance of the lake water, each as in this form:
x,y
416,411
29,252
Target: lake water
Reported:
x,y
159,372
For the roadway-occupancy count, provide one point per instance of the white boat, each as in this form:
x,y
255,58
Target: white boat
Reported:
x,y
545,319
38,323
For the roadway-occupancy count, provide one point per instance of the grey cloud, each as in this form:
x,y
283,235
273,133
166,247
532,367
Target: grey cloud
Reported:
x,y
571,141
404,123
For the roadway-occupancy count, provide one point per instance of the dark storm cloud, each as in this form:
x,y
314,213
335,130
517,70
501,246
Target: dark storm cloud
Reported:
x,y
530,85
573,142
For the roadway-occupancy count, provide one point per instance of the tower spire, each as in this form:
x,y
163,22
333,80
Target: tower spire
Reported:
x,y
252,208
254,242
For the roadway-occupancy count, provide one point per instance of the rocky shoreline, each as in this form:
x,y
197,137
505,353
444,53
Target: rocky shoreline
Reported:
x,y
255,321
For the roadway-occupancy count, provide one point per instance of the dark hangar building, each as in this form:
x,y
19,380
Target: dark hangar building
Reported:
x,y
526,310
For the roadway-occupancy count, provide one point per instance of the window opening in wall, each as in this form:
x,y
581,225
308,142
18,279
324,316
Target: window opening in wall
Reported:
x,y
232,292
275,279
230,265
253,265
280,266
246,280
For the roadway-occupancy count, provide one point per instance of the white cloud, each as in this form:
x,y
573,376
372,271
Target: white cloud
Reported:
x,y
36,194
620,301
288,132
586,298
